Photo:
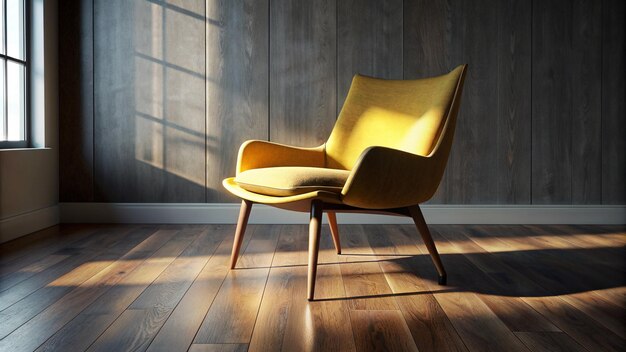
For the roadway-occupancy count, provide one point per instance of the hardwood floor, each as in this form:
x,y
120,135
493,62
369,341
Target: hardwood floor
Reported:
x,y
169,288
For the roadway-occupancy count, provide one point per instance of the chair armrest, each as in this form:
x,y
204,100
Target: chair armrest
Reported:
x,y
386,178
256,154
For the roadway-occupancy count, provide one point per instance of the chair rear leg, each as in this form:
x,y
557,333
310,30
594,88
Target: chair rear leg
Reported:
x,y
315,226
244,214
334,230
420,223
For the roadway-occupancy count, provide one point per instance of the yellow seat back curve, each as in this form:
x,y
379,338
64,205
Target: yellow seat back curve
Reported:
x,y
408,115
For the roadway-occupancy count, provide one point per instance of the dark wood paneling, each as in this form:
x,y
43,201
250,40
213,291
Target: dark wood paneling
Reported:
x,y
150,102
76,101
440,36
369,41
426,38
303,97
566,102
587,102
613,102
514,103
114,102
237,85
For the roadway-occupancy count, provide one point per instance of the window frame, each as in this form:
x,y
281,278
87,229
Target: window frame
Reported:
x,y
26,142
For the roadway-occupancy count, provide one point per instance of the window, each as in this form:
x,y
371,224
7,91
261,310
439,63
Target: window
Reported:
x,y
13,74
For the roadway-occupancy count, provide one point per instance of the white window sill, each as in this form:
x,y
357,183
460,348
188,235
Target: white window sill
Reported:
x,y
34,149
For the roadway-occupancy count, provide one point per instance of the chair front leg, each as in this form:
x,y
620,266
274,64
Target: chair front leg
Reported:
x,y
244,214
334,230
420,223
315,226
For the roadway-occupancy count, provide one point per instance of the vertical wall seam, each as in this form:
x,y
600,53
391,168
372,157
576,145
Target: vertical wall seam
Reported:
x,y
206,101
336,59
93,101
532,16
402,40
601,101
269,70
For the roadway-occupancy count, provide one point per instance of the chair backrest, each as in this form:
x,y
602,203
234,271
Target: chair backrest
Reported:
x,y
409,115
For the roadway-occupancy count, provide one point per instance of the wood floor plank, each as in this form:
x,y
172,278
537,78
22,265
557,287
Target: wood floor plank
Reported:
x,y
180,329
428,323
577,325
513,311
223,347
133,330
231,317
381,331
11,279
288,322
600,309
292,247
599,305
57,240
537,267
74,257
31,305
233,312
37,330
40,243
556,270
108,307
549,342
365,282
477,325
260,250
167,289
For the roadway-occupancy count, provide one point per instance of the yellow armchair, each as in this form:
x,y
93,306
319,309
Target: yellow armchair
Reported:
x,y
386,154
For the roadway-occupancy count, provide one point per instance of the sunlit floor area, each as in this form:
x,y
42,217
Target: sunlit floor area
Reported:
x,y
168,288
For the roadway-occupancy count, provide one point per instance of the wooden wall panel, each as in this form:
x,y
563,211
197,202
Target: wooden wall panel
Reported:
x,y
76,101
237,85
613,102
474,41
427,47
369,41
566,102
491,150
303,99
149,102
513,162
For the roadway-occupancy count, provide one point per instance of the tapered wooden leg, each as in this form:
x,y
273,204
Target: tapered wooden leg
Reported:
x,y
315,227
418,218
334,230
244,214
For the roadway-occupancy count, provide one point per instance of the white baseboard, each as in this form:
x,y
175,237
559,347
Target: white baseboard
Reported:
x,y
23,224
226,213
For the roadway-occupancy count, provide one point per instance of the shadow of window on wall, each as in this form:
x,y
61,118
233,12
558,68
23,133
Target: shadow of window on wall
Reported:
x,y
170,88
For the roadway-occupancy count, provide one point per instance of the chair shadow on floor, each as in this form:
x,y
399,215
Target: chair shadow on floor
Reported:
x,y
524,273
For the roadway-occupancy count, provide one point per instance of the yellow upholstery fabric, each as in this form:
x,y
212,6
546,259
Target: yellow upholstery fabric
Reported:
x,y
292,180
392,139
256,154
299,202
406,115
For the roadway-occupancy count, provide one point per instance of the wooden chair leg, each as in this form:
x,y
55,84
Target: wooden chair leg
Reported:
x,y
244,214
315,227
420,223
334,230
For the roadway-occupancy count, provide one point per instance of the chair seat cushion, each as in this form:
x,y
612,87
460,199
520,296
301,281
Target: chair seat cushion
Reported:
x,y
292,180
